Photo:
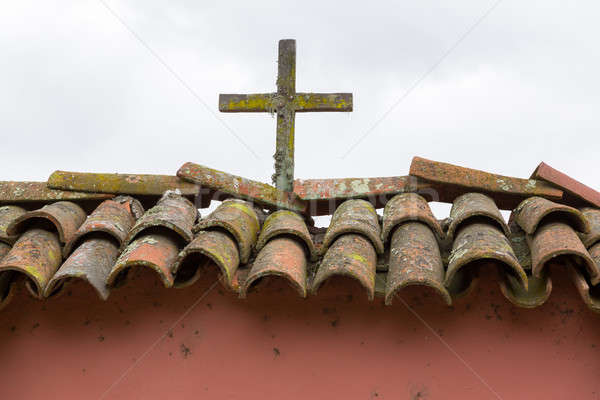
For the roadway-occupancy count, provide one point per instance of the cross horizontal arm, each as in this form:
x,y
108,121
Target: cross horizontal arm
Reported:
x,y
305,102
260,102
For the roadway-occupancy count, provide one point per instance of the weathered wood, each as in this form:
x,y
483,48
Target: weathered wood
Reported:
x,y
259,102
285,102
132,184
316,102
286,68
451,181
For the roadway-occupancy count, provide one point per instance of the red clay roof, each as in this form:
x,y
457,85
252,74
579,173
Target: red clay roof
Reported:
x,y
46,248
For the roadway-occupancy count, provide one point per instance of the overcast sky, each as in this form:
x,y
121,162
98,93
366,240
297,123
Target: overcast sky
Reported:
x,y
497,86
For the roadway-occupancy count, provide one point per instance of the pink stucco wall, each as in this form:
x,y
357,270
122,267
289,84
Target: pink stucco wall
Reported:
x,y
274,345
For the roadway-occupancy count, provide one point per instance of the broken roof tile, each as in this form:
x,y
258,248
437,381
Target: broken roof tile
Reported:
x,y
282,256
555,239
592,215
114,217
209,247
285,222
38,192
408,207
173,212
481,241
474,205
537,292
571,186
350,255
92,262
157,251
240,219
532,211
452,181
415,260
7,215
324,194
258,193
354,216
65,216
36,254
128,184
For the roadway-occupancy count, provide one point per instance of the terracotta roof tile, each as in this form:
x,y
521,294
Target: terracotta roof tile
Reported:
x,y
282,256
6,279
285,222
572,187
555,239
37,256
355,216
92,262
351,255
592,215
114,217
415,260
414,251
481,241
157,251
474,205
65,216
408,207
534,210
588,294
240,219
172,212
209,247
7,215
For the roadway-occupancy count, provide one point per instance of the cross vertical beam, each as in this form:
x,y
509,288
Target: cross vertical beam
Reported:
x,y
286,103
286,116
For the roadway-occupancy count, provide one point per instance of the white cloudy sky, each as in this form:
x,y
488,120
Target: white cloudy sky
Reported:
x,y
510,84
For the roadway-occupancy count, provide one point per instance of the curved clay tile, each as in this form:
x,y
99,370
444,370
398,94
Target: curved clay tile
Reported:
x,y
472,205
239,218
589,296
7,286
519,243
415,260
350,255
408,207
480,241
533,210
595,253
593,217
7,215
65,216
285,222
538,290
37,256
208,247
154,250
282,256
114,217
354,216
92,261
172,211
559,239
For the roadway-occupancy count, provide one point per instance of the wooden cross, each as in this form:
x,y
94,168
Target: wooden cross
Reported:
x,y
286,103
